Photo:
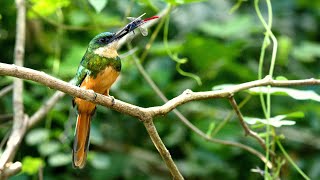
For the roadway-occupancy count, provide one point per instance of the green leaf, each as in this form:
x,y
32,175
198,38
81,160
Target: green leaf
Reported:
x,y
96,136
235,28
297,114
222,86
37,136
48,148
98,5
281,78
100,161
71,60
294,93
176,2
307,51
285,47
59,159
31,165
46,7
210,129
276,121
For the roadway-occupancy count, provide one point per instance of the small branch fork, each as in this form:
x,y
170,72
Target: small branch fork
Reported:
x,y
246,128
147,114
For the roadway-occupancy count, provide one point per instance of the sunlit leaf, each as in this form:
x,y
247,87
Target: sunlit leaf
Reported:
x,y
276,121
96,136
31,165
100,160
281,78
297,114
59,159
294,93
46,7
98,5
307,51
47,148
238,27
176,2
37,136
285,47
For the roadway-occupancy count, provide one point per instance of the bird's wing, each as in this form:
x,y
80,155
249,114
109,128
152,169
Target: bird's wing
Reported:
x,y
81,74
78,79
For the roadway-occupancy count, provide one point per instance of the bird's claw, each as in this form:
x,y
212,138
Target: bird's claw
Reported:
x,y
94,94
112,100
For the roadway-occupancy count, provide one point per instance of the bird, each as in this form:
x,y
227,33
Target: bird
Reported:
x,y
98,70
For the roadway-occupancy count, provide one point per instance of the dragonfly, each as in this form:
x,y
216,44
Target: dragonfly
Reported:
x,y
138,22
135,23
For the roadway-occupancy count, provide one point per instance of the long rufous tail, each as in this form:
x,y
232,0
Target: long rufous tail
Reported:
x,y
81,140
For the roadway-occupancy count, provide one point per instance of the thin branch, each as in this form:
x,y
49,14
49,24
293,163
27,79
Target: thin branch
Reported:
x,y
4,118
45,108
246,128
5,90
11,169
19,120
148,123
188,95
186,122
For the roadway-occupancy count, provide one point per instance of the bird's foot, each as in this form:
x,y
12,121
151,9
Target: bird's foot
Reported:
x,y
94,94
112,100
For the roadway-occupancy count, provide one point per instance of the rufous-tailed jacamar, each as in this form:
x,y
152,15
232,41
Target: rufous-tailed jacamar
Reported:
x,y
98,70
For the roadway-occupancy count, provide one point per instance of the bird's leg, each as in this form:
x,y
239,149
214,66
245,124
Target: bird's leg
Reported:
x,y
112,98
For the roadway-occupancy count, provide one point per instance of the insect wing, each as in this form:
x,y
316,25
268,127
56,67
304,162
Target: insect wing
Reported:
x,y
143,30
131,18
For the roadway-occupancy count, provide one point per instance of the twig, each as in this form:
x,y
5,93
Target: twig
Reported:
x,y
186,122
5,138
5,90
246,128
45,108
19,120
5,118
148,123
11,169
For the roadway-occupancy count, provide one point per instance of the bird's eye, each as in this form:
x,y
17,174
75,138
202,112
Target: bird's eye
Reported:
x,y
103,40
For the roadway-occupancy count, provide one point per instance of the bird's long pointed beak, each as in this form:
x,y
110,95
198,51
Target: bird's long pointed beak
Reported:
x,y
130,27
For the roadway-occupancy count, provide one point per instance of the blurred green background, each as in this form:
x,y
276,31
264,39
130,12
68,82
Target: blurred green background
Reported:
x,y
221,48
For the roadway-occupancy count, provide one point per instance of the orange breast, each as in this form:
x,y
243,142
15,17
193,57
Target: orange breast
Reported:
x,y
99,84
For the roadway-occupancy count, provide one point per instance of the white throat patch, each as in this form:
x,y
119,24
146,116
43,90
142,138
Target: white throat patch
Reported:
x,y
108,51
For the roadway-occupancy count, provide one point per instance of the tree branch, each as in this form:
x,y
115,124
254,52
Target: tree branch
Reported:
x,y
45,108
136,111
148,123
5,90
186,122
246,128
19,120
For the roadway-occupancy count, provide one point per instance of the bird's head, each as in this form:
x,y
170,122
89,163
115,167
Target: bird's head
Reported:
x,y
105,44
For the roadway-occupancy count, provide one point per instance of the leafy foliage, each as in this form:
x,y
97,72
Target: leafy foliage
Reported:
x,y
222,48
